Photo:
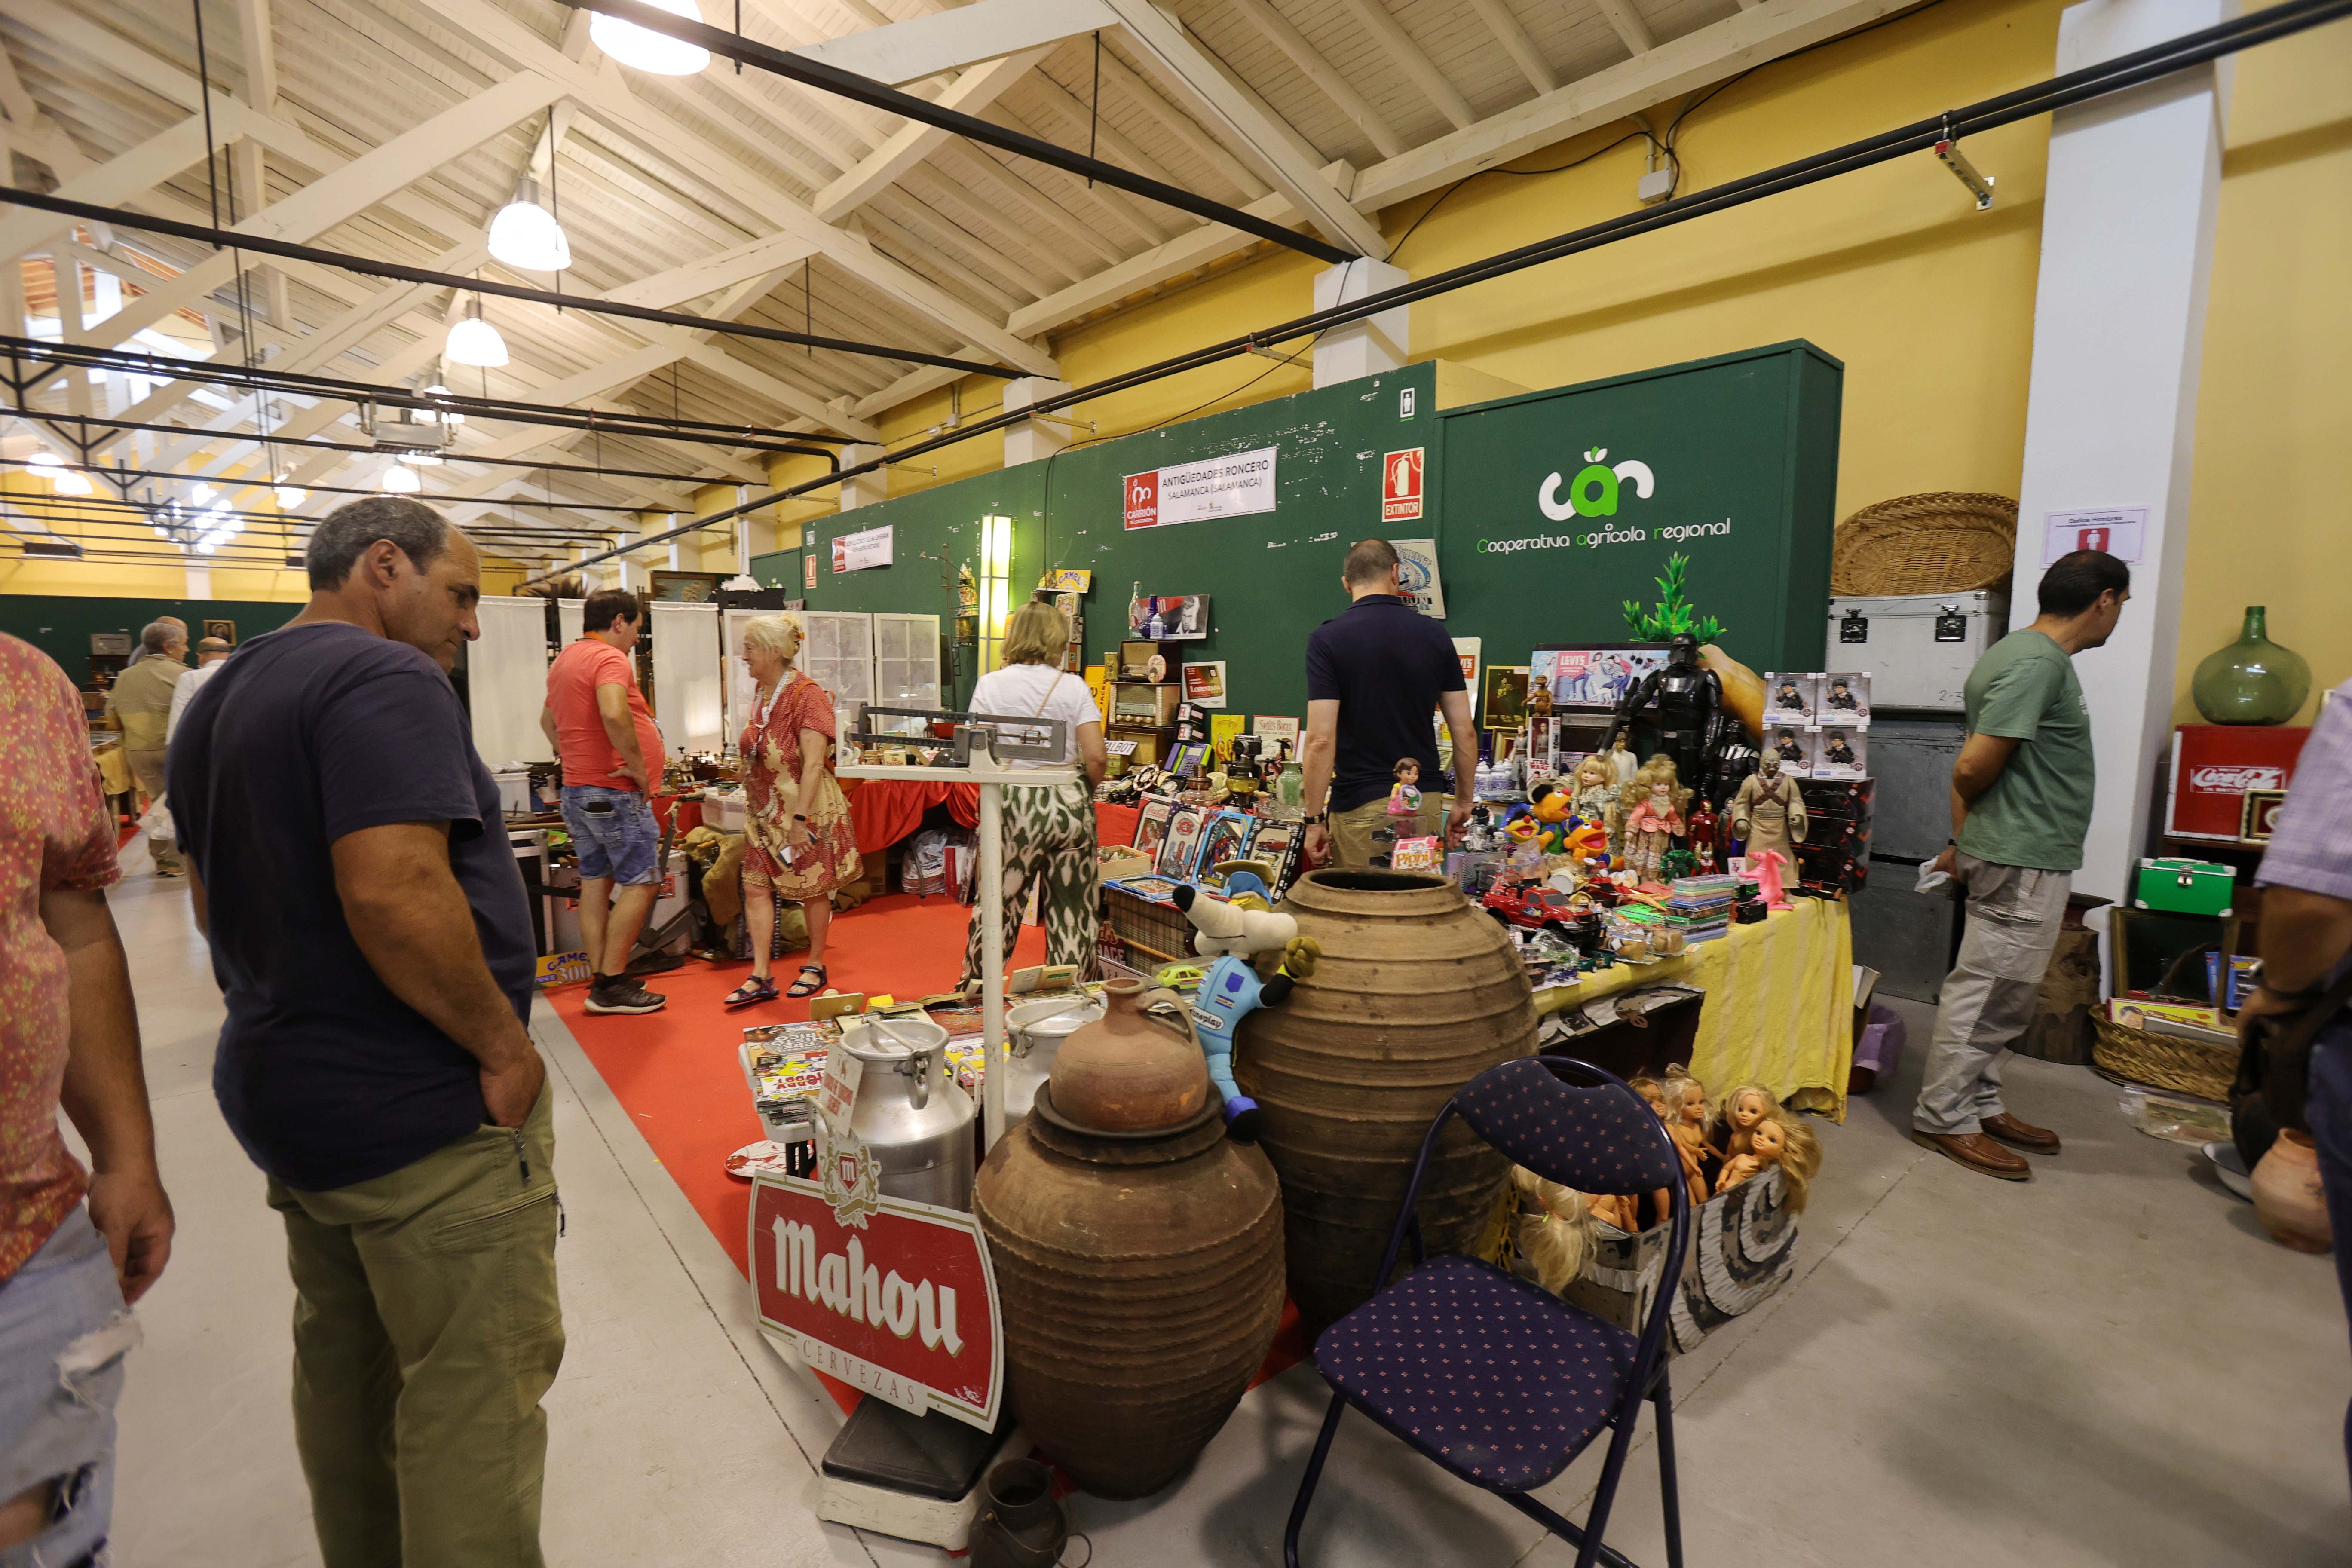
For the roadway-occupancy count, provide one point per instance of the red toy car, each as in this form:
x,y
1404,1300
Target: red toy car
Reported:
x,y
1536,908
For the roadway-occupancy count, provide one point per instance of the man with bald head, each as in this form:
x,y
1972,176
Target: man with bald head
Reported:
x,y
369,930
141,705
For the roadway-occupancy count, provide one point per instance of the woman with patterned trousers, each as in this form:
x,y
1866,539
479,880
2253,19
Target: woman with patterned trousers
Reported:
x,y
1049,829
798,844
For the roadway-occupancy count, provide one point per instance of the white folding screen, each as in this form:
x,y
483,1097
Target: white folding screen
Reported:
x,y
567,615
690,689
905,667
505,681
839,654
740,689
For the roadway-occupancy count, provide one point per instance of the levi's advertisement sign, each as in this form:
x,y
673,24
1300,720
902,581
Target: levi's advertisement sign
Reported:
x,y
1232,486
899,1304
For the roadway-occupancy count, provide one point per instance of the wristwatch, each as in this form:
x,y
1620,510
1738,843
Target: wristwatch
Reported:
x,y
1318,816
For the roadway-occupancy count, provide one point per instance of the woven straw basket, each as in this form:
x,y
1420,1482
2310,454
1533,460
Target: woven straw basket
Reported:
x,y
1950,542
2162,1061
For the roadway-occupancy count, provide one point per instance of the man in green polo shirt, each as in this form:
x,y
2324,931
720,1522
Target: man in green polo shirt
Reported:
x,y
2021,805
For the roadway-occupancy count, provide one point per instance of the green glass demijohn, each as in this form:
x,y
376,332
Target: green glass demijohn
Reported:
x,y
2252,681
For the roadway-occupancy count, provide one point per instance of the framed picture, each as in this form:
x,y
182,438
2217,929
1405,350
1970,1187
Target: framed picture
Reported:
x,y
1277,846
1068,579
1503,700
225,630
2259,816
1169,617
1227,837
1182,845
1151,827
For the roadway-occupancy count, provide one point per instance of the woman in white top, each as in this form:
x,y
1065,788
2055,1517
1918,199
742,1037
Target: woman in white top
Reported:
x,y
1049,830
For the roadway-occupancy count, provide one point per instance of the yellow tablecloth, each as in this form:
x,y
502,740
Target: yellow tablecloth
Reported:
x,y
114,769
1780,1003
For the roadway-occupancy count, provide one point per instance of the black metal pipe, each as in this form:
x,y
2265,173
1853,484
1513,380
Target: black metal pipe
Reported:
x,y
877,95
2118,75
313,443
229,239
261,378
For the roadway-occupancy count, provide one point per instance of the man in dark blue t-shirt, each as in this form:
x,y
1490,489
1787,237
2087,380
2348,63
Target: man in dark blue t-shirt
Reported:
x,y
1375,674
372,939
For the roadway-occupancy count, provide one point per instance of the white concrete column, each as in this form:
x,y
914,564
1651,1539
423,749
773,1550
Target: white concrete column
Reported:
x,y
866,489
199,582
1369,347
2111,413
1031,438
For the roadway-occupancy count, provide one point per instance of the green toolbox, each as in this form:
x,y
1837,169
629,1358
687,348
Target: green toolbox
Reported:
x,y
2186,887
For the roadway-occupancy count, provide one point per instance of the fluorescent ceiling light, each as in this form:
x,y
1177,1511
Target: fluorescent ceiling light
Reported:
x,y
473,341
646,50
71,483
402,480
524,234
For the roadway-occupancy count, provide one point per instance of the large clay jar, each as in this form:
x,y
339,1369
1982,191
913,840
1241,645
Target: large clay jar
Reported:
x,y
1139,1268
1417,991
2288,1199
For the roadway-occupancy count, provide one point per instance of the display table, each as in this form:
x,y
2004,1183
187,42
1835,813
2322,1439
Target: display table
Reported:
x,y
884,811
1780,1005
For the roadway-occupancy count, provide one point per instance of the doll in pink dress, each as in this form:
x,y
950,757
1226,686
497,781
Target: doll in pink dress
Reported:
x,y
1654,816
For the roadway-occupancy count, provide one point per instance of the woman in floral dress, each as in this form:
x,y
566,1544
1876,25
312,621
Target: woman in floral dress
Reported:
x,y
799,843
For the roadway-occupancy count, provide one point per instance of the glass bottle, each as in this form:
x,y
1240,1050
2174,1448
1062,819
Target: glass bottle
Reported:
x,y
2252,681
1290,787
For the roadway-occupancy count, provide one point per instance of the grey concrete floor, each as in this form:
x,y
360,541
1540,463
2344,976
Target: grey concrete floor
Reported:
x,y
2108,1364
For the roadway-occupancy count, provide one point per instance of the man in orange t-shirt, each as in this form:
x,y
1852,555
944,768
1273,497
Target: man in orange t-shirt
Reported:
x,y
596,719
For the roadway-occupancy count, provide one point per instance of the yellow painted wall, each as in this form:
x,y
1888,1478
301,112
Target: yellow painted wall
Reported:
x,y
2271,503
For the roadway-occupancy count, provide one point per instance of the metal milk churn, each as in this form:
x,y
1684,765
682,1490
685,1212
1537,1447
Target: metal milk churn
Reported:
x,y
1033,1035
918,1123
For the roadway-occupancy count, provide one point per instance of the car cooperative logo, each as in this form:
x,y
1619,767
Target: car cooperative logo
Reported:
x,y
1595,492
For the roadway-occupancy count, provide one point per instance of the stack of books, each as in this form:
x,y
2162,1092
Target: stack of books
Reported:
x,y
1700,907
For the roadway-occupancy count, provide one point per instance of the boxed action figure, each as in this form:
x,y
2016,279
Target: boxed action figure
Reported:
x,y
1840,752
1845,699
1791,696
1793,743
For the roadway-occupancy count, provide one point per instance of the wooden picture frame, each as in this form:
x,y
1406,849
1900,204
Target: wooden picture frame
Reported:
x,y
2258,819
225,630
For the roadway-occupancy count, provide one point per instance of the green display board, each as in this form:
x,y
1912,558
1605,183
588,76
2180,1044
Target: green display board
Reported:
x,y
1559,506
60,625
1741,450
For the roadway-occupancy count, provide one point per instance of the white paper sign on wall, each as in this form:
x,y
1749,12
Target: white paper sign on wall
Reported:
x,y
2117,529
857,552
1231,486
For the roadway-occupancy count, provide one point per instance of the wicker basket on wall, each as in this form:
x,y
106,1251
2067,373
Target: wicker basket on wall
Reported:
x,y
1950,542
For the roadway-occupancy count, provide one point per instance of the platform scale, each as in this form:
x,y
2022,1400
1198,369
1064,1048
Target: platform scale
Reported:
x,y
918,1478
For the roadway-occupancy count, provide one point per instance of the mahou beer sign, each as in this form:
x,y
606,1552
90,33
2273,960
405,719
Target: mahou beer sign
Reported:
x,y
900,1304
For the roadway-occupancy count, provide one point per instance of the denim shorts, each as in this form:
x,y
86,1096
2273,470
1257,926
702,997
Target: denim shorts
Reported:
x,y
613,832
64,1332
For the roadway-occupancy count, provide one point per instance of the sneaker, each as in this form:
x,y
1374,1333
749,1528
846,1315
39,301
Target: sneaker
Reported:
x,y
620,993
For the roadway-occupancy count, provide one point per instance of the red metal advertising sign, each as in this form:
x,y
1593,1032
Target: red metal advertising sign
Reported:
x,y
902,1305
2214,766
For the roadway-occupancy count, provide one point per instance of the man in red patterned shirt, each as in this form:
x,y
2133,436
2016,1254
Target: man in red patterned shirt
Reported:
x,y
68,1036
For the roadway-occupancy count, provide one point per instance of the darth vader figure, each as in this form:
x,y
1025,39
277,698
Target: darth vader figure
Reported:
x,y
1693,728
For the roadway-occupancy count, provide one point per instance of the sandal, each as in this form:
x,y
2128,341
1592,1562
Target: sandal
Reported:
x,y
758,988
804,986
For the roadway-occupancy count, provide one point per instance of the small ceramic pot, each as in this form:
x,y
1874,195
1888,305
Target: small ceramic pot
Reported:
x,y
2287,1196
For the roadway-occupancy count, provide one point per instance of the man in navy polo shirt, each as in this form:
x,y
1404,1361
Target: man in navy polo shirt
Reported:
x,y
1375,674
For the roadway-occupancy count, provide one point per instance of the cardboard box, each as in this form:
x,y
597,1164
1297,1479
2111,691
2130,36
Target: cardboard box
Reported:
x,y
1791,698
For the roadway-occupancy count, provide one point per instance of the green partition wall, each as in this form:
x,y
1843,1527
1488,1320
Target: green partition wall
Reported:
x,y
60,625
1748,441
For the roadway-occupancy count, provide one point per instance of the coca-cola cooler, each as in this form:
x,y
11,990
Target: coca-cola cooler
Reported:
x,y
2215,766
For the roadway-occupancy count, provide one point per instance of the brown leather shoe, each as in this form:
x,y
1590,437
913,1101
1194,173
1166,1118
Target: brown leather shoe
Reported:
x,y
2021,1134
1978,1153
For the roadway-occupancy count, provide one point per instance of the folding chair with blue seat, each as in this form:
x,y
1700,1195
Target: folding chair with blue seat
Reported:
x,y
1496,1380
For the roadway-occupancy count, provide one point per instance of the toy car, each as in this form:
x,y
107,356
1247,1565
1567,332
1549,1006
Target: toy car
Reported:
x,y
1536,908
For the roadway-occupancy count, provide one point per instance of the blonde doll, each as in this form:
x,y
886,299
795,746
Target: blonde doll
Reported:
x,y
1743,1107
1791,1145
1685,1100
1653,804
1557,1228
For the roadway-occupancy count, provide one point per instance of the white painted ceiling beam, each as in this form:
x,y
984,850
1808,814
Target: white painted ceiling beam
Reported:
x,y
109,183
1320,73
1631,30
258,53
611,102
1496,14
1406,55
1280,151
1118,73
915,141
983,31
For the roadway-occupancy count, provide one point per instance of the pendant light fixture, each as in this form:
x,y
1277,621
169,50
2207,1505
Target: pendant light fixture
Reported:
x,y
525,234
289,496
401,480
646,50
439,387
72,482
473,341
44,463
